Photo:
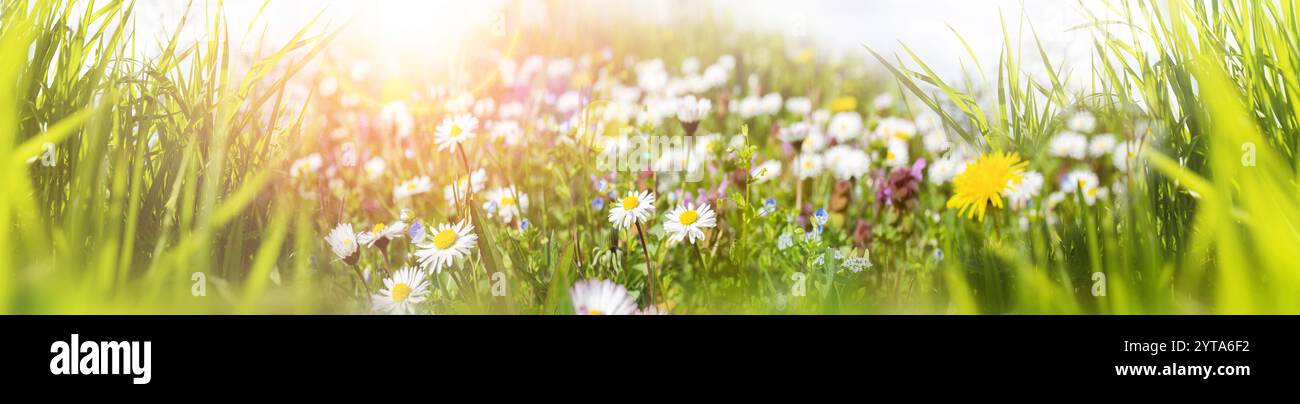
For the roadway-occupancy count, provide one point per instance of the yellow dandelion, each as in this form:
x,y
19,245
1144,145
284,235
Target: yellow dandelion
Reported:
x,y
984,181
845,103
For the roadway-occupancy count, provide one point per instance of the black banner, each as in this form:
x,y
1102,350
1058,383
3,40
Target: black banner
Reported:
x,y
288,351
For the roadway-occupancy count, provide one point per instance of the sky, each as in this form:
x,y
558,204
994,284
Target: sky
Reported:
x,y
841,27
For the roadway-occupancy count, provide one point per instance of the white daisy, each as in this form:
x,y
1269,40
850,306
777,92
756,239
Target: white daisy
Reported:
x,y
453,131
815,142
794,132
688,222
599,296
765,172
847,162
1068,144
635,207
1085,180
343,241
895,129
448,242
1083,122
381,233
845,126
1101,145
691,110
807,166
771,103
305,166
1124,155
944,170
406,288
506,203
472,184
412,187
896,154
936,142
1019,195
798,105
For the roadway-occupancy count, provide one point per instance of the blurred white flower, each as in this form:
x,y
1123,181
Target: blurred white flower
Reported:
x,y
767,171
807,165
454,131
1019,194
798,105
846,162
1068,144
601,297
1101,145
1082,122
891,129
846,127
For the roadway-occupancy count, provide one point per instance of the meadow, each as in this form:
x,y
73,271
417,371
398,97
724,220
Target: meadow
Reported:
x,y
623,167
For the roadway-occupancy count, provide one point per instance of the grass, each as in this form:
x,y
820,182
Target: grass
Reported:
x,y
175,172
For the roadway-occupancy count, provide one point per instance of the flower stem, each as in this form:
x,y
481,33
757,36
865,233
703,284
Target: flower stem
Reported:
x,y
650,272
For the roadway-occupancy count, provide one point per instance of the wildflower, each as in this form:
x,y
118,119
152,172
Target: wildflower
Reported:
x,y
814,142
300,167
1020,193
406,288
945,169
845,127
936,142
794,132
766,172
348,155
1124,154
807,166
598,203
895,129
856,264
900,188
847,162
375,168
844,103
690,111
769,206
1068,144
601,297
984,181
688,222
883,102
651,311
523,224
1083,122
454,131
896,154
771,103
635,207
509,203
343,242
416,232
448,243
784,242
1101,145
798,105
475,182
381,234
1085,181
821,217
412,187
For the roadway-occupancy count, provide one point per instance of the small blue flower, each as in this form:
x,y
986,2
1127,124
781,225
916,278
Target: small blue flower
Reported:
x,y
523,224
769,206
490,207
598,203
822,217
416,231
613,195
938,255
405,215
601,185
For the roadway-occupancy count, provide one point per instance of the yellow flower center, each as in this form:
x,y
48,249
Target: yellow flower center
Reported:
x,y
807,165
456,130
889,156
379,228
688,217
595,312
410,186
444,239
1092,192
507,201
631,202
401,291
